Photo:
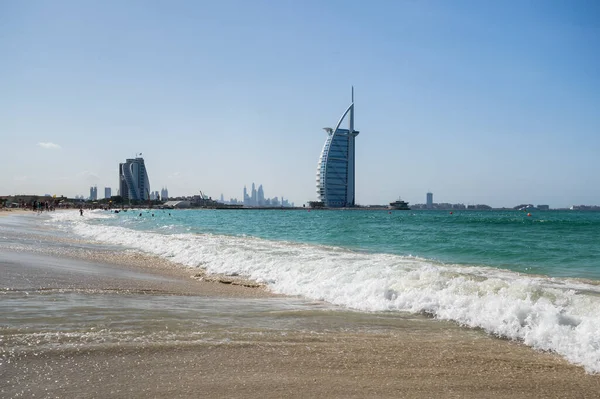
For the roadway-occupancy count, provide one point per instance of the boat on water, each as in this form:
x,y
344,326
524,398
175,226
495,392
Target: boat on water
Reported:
x,y
399,205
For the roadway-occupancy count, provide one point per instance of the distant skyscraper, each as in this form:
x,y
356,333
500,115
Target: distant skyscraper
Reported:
x,y
107,192
164,194
335,170
429,200
261,196
133,180
253,198
93,193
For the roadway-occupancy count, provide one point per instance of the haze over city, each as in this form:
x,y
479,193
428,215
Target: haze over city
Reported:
x,y
477,102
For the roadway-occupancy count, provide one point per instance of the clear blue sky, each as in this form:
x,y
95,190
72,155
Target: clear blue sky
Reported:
x,y
476,101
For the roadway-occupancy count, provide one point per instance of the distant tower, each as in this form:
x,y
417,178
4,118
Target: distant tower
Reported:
x,y
253,199
93,193
107,192
429,200
335,169
246,199
261,196
133,179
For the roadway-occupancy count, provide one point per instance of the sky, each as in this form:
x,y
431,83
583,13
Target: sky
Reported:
x,y
478,102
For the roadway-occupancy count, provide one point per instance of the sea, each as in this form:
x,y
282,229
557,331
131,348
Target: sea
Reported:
x,y
533,278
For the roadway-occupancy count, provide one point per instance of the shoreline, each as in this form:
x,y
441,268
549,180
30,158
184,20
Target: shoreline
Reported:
x,y
344,354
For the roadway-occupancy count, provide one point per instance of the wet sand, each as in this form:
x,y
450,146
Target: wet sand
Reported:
x,y
416,363
334,355
12,211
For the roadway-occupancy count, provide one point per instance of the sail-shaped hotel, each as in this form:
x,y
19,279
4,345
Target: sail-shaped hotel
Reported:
x,y
335,170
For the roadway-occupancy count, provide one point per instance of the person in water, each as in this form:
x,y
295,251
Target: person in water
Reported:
x,y
81,211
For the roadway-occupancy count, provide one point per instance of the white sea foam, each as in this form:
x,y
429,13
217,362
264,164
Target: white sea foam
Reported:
x,y
548,314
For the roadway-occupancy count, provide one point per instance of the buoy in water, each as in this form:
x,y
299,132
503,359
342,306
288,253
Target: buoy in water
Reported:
x,y
529,214
451,213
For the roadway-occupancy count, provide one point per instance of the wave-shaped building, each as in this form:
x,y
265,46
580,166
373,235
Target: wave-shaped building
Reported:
x,y
335,170
133,180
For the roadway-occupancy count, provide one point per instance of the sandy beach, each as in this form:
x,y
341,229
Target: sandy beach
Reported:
x,y
12,211
326,353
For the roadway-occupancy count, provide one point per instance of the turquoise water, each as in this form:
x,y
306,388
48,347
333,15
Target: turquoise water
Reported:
x,y
552,243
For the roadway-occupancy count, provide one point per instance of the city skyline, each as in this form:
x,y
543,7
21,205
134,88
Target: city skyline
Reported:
x,y
489,103
137,169
256,198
